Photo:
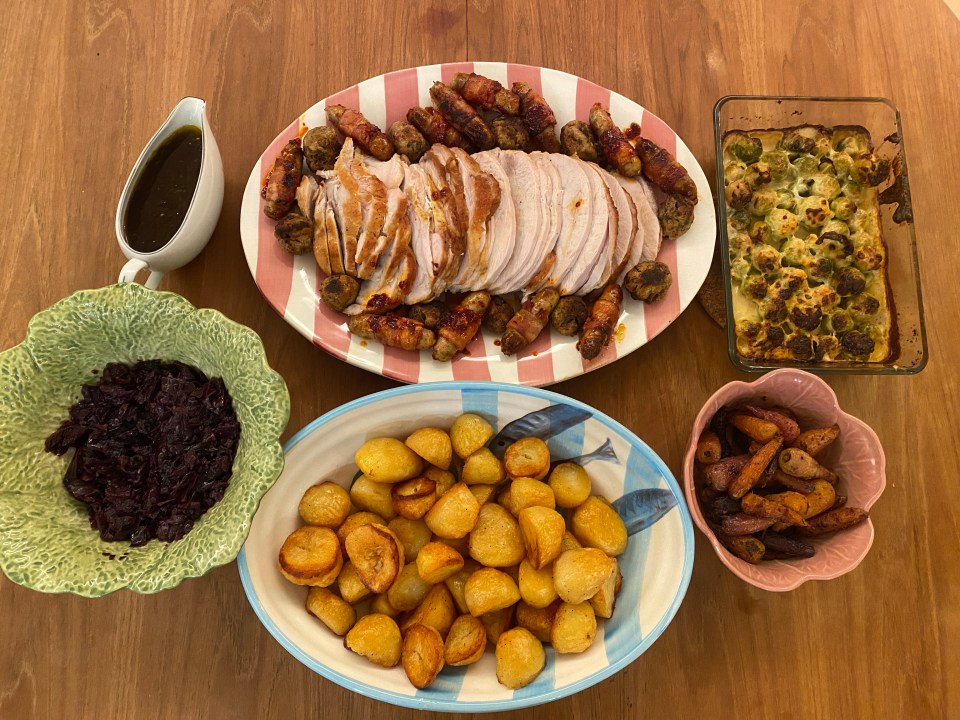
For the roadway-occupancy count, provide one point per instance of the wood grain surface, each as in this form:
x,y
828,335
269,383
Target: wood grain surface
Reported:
x,y
83,86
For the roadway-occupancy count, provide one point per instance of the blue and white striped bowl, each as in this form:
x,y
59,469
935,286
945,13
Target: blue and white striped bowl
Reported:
x,y
656,566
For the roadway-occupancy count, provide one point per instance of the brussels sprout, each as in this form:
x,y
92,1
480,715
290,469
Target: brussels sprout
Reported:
x,y
791,281
821,146
836,227
806,165
754,287
748,329
739,268
794,142
760,233
850,281
733,171
863,308
868,257
825,186
819,268
740,243
738,194
842,163
758,174
857,344
787,201
763,201
869,171
825,297
740,220
814,211
777,161
765,259
850,140
782,222
843,208
833,245
795,252
826,167
840,321
806,317
800,344
773,309
825,347
744,147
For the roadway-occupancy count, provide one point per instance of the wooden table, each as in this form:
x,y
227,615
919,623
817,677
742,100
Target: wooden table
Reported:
x,y
85,84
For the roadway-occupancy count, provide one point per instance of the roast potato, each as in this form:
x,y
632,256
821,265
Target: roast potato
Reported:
x,y
496,623
437,611
458,581
542,530
377,638
412,498
596,524
482,467
364,517
570,484
579,574
325,504
488,590
469,433
433,445
454,514
412,534
336,613
536,586
527,457
422,655
350,585
466,641
408,590
387,460
520,658
574,628
495,540
539,621
527,492
443,479
437,561
484,493
373,497
605,598
311,556
377,555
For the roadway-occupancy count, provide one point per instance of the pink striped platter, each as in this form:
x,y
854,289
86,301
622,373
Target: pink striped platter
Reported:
x,y
290,282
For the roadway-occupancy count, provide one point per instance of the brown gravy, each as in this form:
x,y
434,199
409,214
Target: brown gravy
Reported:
x,y
162,194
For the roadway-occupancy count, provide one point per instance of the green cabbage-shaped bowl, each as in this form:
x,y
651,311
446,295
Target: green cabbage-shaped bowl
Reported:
x,y
46,542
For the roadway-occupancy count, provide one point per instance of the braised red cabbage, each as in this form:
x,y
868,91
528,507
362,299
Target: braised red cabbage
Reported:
x,y
154,448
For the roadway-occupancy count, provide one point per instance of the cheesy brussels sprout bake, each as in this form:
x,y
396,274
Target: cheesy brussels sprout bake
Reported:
x,y
807,263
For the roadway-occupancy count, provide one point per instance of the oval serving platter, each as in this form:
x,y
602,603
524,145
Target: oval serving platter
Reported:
x,y
656,566
290,282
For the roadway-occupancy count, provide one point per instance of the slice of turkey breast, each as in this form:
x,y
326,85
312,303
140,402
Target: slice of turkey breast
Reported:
x,y
482,195
426,236
527,190
626,229
544,253
501,234
635,192
593,250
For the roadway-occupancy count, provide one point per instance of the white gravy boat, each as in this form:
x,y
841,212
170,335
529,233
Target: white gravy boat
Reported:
x,y
204,211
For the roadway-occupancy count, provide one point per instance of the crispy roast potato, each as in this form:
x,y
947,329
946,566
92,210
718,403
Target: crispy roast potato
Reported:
x,y
412,534
488,590
376,554
443,479
355,520
539,621
336,613
387,460
350,585
372,497
526,492
408,590
596,524
520,658
569,542
579,574
381,604
469,433
496,623
495,540
433,445
377,638
437,561
412,498
482,467
542,530
437,611
325,504
422,655
465,642
605,598
458,581
311,556
484,493
455,514
527,457
570,484
574,628
536,586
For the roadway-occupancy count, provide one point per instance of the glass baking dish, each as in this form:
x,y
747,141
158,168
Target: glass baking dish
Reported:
x,y
882,119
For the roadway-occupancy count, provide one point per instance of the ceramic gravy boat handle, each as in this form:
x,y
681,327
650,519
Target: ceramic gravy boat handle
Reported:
x,y
129,272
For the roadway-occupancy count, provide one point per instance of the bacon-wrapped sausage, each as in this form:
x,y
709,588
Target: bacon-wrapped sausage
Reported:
x,y
661,168
613,143
534,108
394,331
457,329
435,127
280,189
353,124
599,327
528,323
462,115
486,93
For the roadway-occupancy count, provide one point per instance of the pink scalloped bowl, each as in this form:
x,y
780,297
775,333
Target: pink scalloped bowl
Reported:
x,y
856,456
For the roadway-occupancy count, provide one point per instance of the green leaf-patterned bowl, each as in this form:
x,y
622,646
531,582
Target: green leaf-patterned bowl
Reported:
x,y
46,542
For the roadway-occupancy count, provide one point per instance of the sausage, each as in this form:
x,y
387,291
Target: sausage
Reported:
x,y
529,321
280,189
321,146
339,291
534,109
435,127
394,331
648,281
662,169
510,132
676,216
502,308
462,116
576,139
407,140
294,233
613,143
457,329
599,327
486,93
569,315
367,135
